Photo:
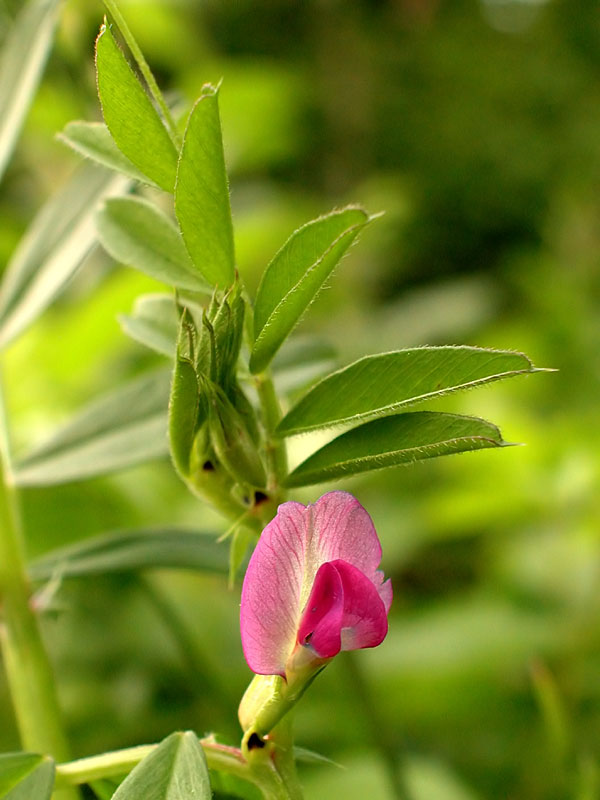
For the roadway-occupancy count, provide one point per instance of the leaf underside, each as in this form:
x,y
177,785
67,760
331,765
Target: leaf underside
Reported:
x,y
126,427
24,55
133,550
395,440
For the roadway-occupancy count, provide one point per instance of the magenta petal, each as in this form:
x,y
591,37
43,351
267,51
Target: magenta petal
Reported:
x,y
344,611
322,620
282,572
271,593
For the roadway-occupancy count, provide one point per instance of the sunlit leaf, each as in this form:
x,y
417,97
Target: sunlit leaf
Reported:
x,y
390,441
133,550
25,776
202,193
295,276
22,61
123,428
130,116
176,770
93,140
381,384
136,233
153,323
57,242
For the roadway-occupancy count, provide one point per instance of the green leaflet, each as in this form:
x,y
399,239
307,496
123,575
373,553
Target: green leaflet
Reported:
x,y
136,233
55,245
123,428
176,770
153,323
390,441
22,61
202,193
25,776
295,276
381,384
133,550
93,140
184,402
130,116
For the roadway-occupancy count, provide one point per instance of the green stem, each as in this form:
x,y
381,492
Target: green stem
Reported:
x,y
218,757
275,447
28,670
113,9
381,735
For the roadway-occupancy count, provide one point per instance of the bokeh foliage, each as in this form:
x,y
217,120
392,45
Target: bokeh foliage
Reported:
x,y
475,126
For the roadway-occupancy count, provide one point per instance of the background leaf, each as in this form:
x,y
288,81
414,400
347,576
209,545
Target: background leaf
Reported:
x,y
153,323
55,245
176,770
302,360
381,384
136,233
133,550
24,55
93,140
26,776
295,276
130,116
390,441
202,193
120,429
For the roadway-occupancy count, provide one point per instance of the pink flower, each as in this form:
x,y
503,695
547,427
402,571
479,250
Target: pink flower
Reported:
x,y
313,587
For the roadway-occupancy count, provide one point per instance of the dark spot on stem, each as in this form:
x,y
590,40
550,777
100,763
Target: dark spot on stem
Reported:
x,y
255,742
208,466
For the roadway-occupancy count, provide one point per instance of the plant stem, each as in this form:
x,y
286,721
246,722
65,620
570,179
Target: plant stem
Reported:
x,y
275,448
28,669
135,49
218,757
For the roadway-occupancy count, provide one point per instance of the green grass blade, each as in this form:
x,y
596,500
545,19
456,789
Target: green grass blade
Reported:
x,y
56,244
131,118
202,193
22,62
295,276
381,384
391,441
126,427
135,232
132,551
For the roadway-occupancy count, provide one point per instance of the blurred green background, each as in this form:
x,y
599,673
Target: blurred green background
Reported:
x,y
475,124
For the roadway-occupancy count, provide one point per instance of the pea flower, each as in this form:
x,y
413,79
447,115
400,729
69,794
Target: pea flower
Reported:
x,y
313,587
